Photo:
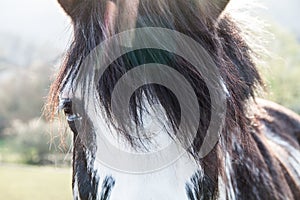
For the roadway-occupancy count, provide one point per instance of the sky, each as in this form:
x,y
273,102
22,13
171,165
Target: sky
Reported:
x,y
286,13
37,21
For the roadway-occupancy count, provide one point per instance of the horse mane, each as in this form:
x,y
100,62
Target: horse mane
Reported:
x,y
242,163
222,38
224,41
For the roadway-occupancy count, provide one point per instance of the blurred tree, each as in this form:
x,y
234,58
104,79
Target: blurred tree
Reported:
x,y
282,69
22,92
36,140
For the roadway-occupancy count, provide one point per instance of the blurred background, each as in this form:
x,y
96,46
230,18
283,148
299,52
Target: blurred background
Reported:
x,y
34,34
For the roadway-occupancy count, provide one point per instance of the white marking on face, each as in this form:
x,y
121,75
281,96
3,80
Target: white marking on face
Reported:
x,y
166,184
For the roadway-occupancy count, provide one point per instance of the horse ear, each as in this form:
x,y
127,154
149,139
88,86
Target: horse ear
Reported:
x,y
214,8
68,6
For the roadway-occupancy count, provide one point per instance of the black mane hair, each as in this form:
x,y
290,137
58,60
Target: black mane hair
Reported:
x,y
224,41
221,38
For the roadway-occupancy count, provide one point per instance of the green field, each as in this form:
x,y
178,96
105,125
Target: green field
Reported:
x,y
34,183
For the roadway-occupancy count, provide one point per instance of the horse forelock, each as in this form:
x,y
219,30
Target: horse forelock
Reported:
x,y
95,21
222,40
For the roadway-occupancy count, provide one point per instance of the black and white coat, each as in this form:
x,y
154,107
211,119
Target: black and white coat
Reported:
x,y
258,154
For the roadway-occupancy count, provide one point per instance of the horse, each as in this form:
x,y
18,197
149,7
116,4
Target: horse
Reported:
x,y
257,151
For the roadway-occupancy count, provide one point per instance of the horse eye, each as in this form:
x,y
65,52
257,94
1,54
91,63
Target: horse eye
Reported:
x,y
65,104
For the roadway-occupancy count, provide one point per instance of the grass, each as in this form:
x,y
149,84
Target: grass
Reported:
x,y
29,183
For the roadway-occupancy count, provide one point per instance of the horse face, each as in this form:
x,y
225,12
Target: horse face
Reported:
x,y
243,157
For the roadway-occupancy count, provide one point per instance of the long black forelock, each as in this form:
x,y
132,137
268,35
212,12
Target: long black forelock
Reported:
x,y
223,42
